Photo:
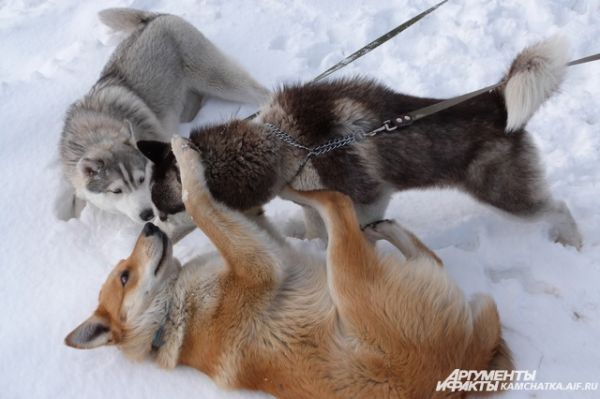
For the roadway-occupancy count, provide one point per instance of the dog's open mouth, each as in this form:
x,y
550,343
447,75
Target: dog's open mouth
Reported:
x,y
165,249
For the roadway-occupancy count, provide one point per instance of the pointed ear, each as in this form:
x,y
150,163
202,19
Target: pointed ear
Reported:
x,y
90,167
155,151
92,333
130,132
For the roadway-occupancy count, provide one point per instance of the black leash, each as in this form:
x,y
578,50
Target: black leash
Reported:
x,y
377,42
403,120
584,60
410,117
371,46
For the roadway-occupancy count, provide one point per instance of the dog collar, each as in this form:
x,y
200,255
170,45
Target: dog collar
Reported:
x,y
158,341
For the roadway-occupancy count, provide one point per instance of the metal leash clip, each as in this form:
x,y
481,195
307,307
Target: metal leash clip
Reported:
x,y
387,127
390,126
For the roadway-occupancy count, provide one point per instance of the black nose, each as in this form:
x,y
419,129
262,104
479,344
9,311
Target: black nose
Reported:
x,y
146,215
150,229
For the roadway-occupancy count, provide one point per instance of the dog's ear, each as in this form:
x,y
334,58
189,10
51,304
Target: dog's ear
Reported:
x,y
130,132
155,151
92,333
90,167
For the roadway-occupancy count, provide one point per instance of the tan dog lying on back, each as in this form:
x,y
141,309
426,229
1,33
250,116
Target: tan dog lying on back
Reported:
x,y
265,317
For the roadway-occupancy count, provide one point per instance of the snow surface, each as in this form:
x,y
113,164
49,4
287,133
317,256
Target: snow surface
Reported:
x,y
51,271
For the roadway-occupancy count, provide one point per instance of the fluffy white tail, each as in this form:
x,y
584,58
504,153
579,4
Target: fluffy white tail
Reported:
x,y
125,19
533,77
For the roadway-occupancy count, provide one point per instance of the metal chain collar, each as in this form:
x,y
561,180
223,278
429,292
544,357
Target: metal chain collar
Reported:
x,y
342,141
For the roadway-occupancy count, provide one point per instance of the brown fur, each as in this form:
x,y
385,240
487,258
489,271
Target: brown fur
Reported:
x,y
264,317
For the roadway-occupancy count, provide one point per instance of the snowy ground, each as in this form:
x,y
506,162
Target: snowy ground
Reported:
x,y
51,271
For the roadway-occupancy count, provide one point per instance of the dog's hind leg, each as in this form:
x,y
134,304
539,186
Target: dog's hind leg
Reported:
x,y
410,246
353,269
366,213
248,251
508,176
209,71
563,228
257,215
375,211
193,103
315,228
487,350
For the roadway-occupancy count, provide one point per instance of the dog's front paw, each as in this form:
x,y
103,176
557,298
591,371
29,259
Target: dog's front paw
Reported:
x,y
188,158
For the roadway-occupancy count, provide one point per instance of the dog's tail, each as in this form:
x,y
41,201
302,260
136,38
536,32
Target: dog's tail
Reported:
x,y
488,350
533,77
125,19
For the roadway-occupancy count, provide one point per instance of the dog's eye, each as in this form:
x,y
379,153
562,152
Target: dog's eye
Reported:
x,y
141,180
124,277
117,191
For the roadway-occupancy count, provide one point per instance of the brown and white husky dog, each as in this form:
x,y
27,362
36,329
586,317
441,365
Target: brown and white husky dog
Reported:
x,y
262,316
479,146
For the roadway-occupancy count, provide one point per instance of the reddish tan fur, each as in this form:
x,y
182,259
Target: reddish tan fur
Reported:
x,y
265,317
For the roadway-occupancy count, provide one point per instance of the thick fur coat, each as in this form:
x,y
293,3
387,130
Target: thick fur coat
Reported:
x,y
479,146
263,316
156,77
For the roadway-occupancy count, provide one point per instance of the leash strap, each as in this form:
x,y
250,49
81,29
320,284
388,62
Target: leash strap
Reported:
x,y
408,118
370,47
584,60
377,42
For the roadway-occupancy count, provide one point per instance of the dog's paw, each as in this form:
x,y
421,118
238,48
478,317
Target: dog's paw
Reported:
x,y
298,197
189,161
569,237
184,153
563,228
378,230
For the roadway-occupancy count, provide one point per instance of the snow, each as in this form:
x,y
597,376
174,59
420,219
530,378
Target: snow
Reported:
x,y
51,271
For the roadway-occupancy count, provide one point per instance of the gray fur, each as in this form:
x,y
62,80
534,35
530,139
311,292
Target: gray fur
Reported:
x,y
157,77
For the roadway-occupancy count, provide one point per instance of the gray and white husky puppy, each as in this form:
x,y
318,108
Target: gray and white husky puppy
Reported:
x,y
155,79
479,146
